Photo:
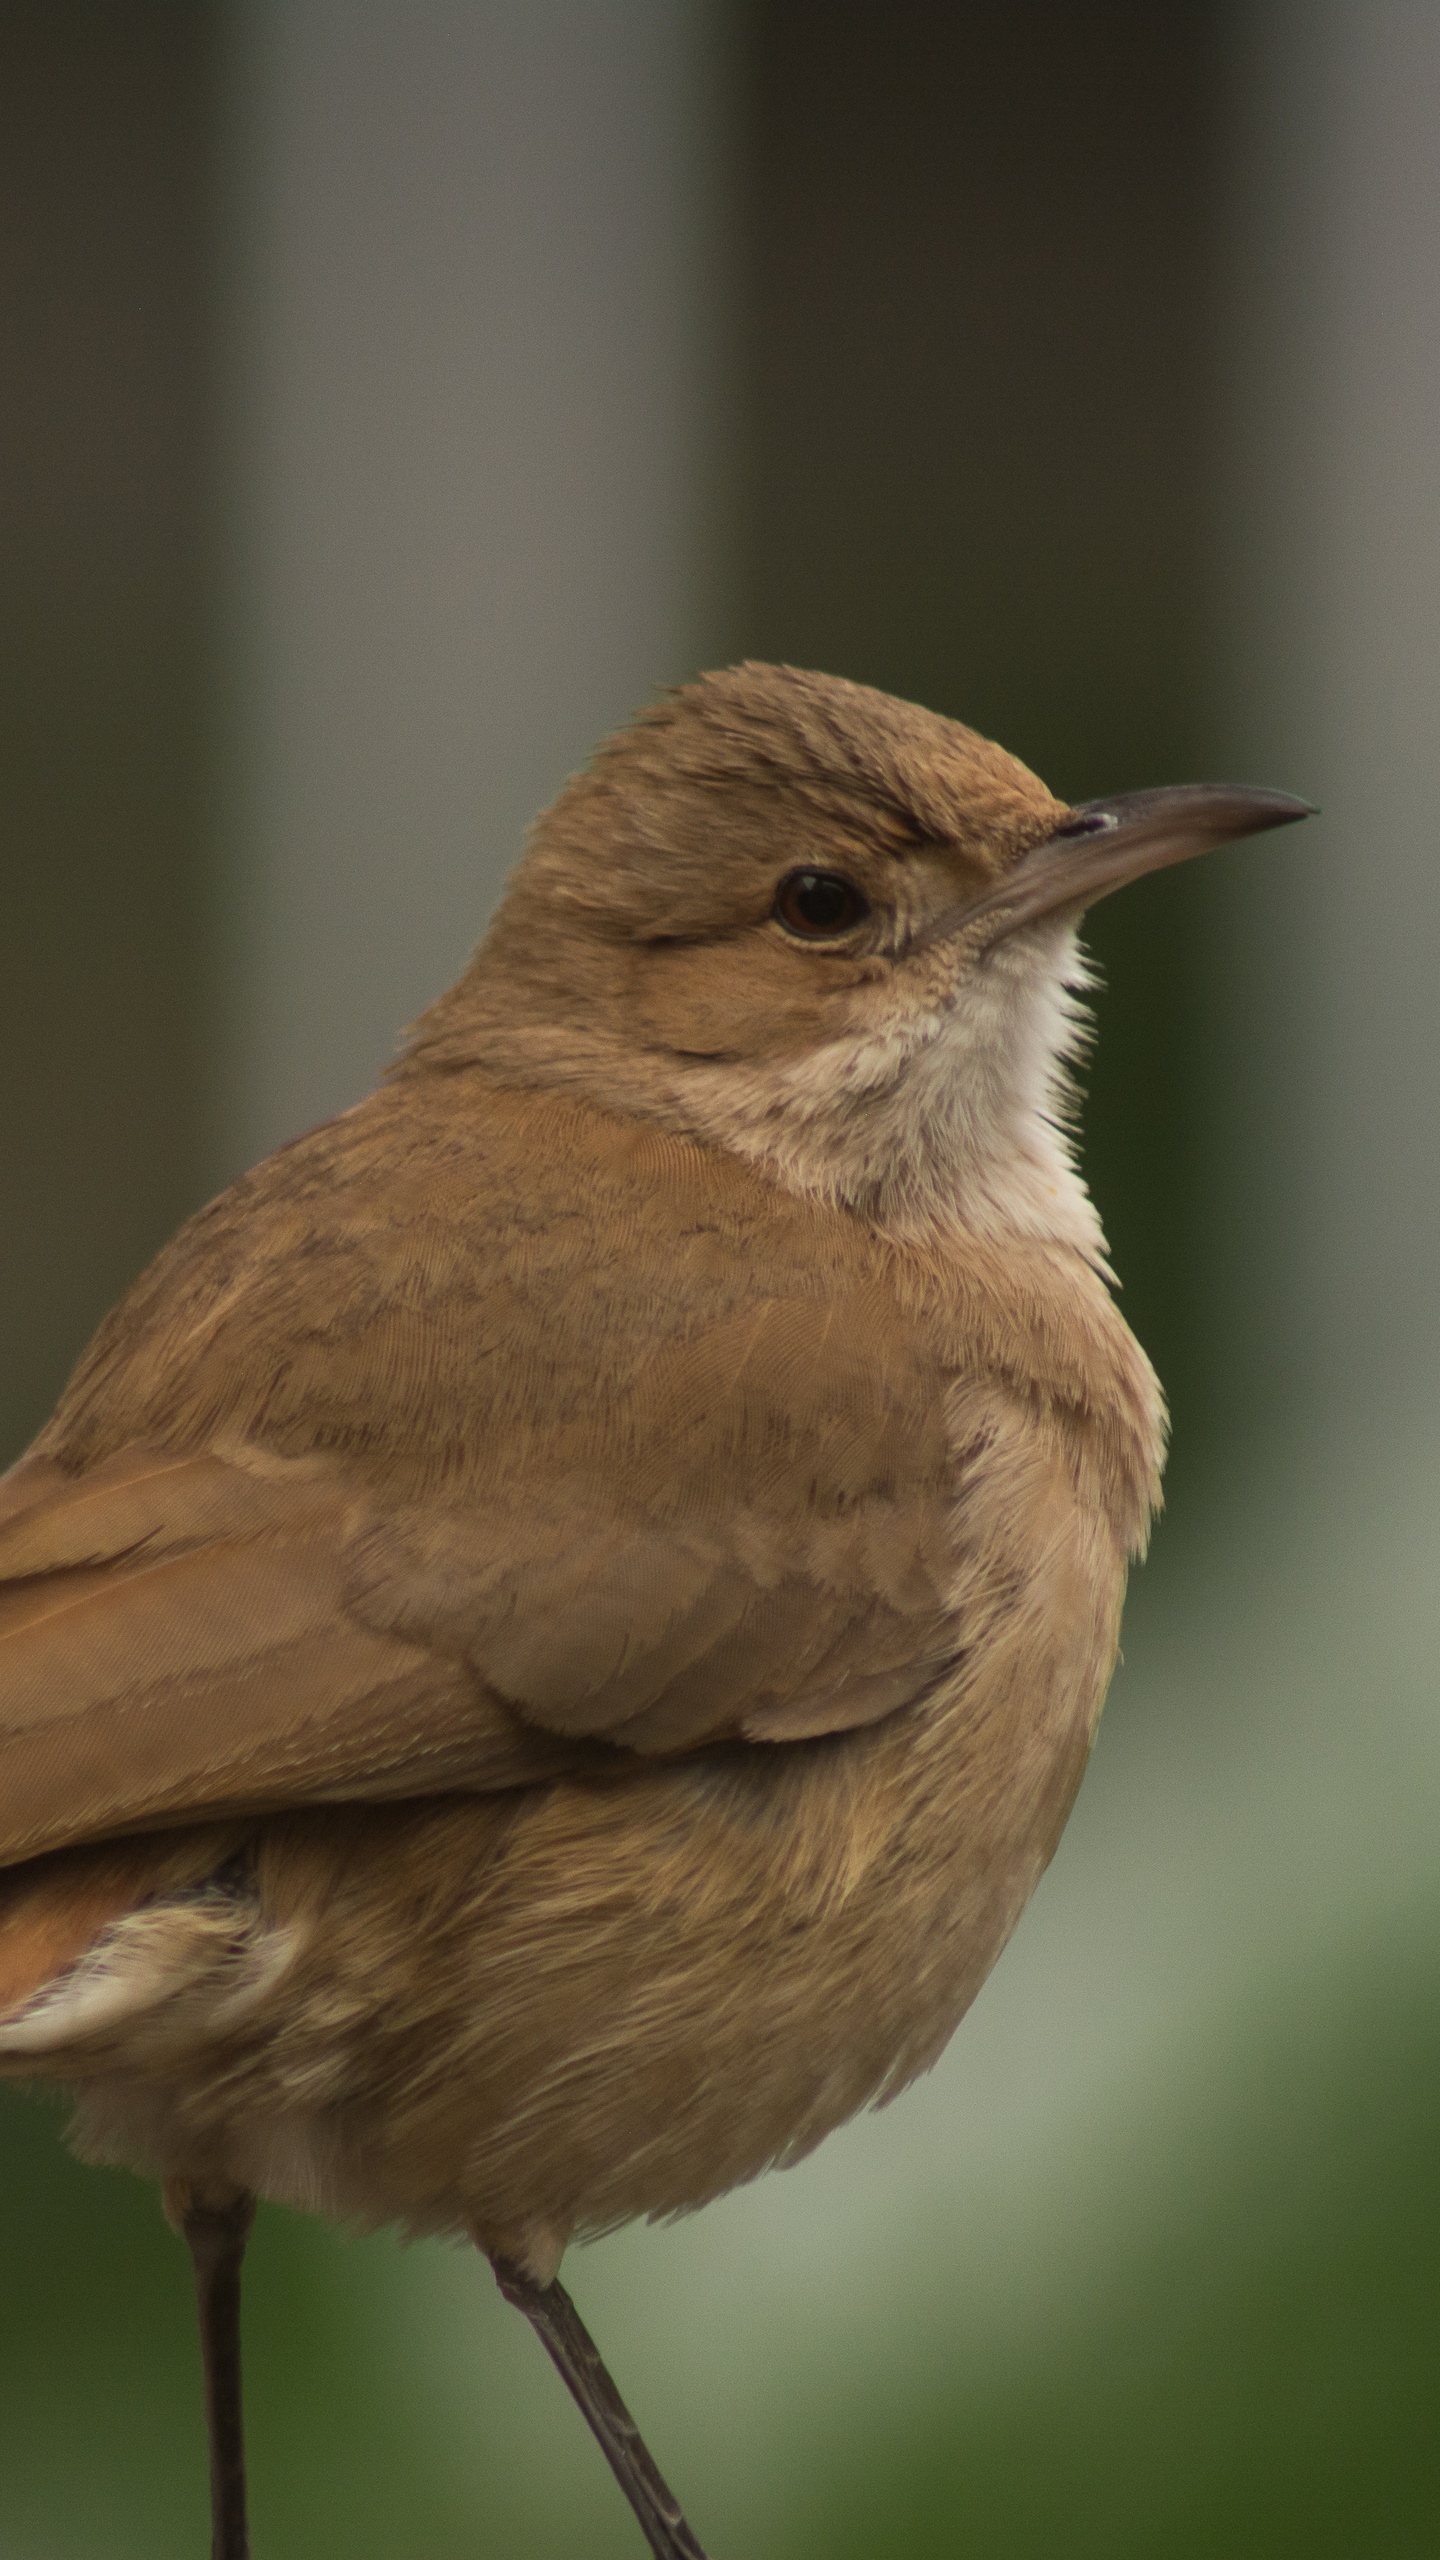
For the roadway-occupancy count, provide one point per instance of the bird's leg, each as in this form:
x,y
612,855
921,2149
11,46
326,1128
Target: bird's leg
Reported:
x,y
216,2233
573,2351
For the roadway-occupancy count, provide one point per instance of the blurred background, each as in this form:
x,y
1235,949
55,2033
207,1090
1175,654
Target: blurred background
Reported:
x,y
393,396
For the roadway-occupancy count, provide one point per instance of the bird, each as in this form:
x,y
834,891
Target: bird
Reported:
x,y
553,1631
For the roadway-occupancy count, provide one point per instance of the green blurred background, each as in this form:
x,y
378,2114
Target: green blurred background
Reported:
x,y
395,392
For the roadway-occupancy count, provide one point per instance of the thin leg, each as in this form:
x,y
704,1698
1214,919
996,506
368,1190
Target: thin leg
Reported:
x,y
573,2351
216,2235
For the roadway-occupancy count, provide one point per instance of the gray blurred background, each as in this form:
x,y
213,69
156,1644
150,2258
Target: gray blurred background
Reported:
x,y
393,396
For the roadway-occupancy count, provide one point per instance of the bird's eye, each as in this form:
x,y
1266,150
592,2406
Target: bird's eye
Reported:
x,y
818,905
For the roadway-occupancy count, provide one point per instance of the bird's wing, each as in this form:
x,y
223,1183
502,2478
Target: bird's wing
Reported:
x,y
386,1480
174,1641
768,1555
204,1634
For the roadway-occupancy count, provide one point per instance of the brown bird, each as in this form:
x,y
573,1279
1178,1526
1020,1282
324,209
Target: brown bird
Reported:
x,y
553,1631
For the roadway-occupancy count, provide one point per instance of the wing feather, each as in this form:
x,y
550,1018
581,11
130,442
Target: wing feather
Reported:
x,y
387,1479
213,1673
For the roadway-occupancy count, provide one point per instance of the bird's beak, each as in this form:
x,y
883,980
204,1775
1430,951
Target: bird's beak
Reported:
x,y
1104,843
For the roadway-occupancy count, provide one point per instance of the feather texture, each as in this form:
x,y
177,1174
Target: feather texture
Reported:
x,y
694,1485
544,1649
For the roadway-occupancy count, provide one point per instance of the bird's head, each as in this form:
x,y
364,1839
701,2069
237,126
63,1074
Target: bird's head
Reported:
x,y
830,931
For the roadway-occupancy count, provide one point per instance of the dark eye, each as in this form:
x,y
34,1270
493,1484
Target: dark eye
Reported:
x,y
819,904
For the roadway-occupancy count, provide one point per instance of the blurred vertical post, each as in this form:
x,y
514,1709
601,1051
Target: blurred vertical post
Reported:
x,y
107,122
1333,570
477,471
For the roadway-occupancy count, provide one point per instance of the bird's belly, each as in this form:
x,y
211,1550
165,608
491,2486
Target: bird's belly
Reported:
x,y
555,2012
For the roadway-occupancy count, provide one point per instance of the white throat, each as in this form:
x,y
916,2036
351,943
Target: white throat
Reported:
x,y
954,1117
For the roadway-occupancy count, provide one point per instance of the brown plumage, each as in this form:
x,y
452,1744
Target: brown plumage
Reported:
x,y
554,1630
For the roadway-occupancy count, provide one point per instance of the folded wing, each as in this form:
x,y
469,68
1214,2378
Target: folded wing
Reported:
x,y
174,1641
204,1635
384,1481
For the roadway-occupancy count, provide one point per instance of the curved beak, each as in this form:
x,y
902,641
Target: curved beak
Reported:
x,y
1105,843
